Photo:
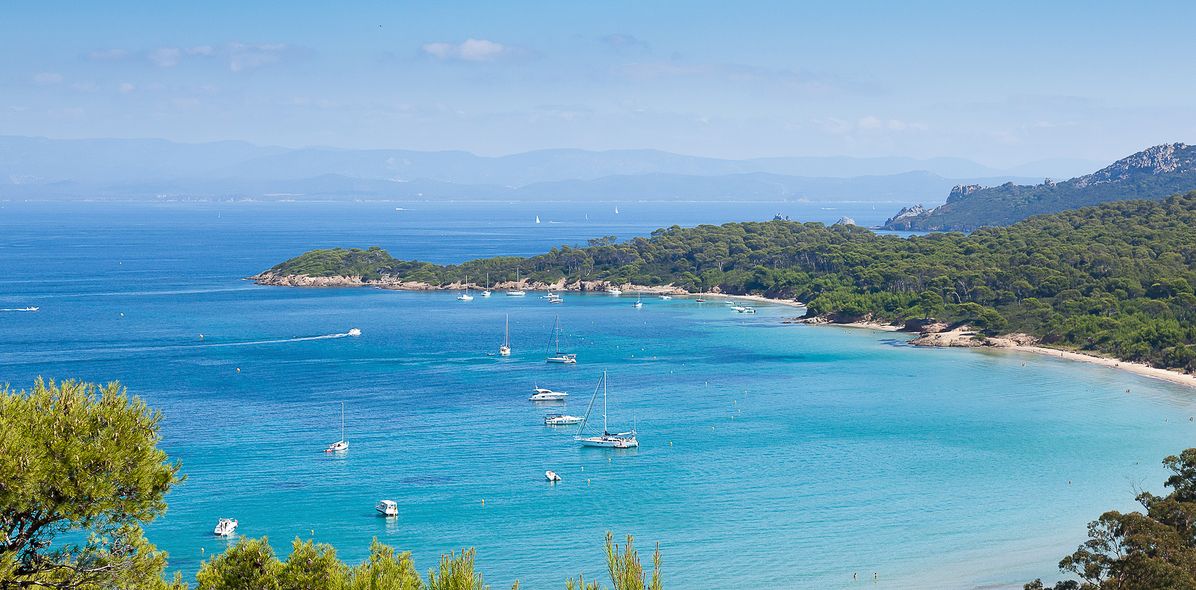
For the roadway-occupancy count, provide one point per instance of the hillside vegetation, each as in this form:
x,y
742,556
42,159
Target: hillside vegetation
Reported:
x,y
1154,173
1115,278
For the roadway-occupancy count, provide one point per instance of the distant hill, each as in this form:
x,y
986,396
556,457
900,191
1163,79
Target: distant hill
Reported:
x,y
1154,173
40,168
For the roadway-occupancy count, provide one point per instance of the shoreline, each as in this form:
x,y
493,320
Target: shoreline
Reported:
x,y
952,338
1136,368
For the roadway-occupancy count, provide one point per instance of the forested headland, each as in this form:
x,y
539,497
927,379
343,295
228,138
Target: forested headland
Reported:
x,y
1114,278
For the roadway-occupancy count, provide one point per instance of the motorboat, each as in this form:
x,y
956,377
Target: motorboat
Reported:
x,y
613,291
561,420
700,300
543,394
607,439
747,310
666,297
225,527
552,476
354,332
387,508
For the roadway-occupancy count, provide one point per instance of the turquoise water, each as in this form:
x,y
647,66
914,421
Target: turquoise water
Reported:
x,y
771,454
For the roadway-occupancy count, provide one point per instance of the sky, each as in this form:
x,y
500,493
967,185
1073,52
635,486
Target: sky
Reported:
x,y
999,83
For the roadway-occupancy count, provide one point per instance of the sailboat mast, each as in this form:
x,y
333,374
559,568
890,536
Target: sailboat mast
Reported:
x,y
604,402
507,332
342,420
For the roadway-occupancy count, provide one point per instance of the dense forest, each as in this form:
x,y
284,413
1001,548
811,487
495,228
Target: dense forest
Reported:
x,y
1115,278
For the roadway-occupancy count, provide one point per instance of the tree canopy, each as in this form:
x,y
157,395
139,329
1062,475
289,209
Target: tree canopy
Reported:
x,y
1115,278
80,473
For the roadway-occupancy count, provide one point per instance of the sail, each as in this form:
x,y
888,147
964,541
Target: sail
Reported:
x,y
585,419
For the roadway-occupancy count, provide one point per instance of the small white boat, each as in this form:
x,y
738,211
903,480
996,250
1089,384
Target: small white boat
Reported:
x,y
613,291
33,308
387,508
552,476
516,293
556,356
738,308
554,298
666,297
607,440
543,394
465,296
341,445
561,420
225,527
747,310
638,302
700,300
537,219
354,332
486,293
505,349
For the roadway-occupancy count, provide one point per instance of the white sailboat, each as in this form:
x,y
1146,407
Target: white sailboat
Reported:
x,y
537,219
517,292
505,349
556,356
342,444
465,296
616,209
607,440
486,291
638,302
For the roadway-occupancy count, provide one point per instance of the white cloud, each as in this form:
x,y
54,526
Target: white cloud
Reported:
x,y
108,54
47,78
472,50
246,56
166,57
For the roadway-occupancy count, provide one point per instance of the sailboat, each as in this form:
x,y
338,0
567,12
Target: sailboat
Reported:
x,y
607,440
638,302
556,356
342,444
517,292
505,349
486,291
616,209
465,296
537,219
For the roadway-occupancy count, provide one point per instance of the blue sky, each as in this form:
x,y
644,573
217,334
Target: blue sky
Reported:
x,y
1002,83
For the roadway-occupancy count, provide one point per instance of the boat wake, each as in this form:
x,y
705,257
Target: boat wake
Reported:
x,y
352,333
18,309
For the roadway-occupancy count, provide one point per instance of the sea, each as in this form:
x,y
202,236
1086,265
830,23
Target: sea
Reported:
x,y
771,454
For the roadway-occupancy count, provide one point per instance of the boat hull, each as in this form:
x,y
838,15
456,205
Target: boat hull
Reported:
x,y
607,442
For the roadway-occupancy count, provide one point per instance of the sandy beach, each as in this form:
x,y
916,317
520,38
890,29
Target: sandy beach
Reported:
x,y
1112,363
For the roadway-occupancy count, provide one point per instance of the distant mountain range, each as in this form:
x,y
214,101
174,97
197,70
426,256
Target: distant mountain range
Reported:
x,y
1154,173
39,168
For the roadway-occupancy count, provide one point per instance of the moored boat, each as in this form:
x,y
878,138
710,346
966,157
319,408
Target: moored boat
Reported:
x,y
543,394
561,420
387,508
225,527
607,439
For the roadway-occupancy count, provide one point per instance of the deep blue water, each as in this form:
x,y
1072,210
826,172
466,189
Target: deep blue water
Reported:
x,y
771,453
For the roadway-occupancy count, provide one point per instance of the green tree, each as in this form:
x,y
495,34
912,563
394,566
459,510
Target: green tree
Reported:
x,y
250,564
1155,550
80,461
384,570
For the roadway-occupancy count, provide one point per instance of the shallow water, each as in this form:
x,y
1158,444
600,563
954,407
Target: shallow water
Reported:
x,y
771,454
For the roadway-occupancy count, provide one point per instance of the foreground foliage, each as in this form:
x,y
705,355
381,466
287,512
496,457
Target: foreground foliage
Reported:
x,y
1116,278
80,473
251,565
1155,550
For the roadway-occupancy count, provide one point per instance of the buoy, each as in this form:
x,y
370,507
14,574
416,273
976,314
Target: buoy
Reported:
x,y
238,369
201,336
670,443
483,501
